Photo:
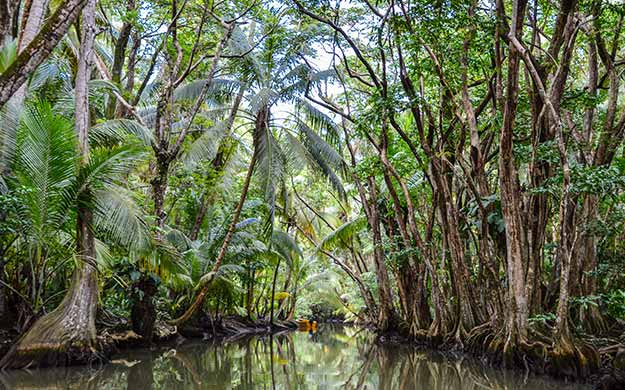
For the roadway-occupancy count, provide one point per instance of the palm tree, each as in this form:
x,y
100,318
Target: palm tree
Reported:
x,y
69,171
47,166
274,76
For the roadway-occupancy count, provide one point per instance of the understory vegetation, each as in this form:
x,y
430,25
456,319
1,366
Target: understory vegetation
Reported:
x,y
450,172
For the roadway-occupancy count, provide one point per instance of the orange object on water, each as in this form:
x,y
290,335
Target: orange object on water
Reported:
x,y
306,325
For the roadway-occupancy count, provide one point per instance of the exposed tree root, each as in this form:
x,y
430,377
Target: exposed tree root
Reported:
x,y
573,360
65,336
576,360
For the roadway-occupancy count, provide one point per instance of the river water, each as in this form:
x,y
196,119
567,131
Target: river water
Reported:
x,y
331,358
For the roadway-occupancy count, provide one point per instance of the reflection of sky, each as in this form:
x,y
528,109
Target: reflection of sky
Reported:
x,y
333,358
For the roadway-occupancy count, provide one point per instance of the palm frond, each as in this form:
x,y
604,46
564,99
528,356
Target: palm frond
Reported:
x,y
264,97
105,165
45,164
9,124
205,147
343,234
286,245
118,217
297,86
8,53
51,71
218,90
322,157
179,240
271,166
230,268
293,75
320,122
115,131
249,66
99,91
317,146
296,154
104,258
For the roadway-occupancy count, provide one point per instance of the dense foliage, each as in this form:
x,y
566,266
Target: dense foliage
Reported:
x,y
451,171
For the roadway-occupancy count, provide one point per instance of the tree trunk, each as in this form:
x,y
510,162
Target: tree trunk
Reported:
x,y
199,218
387,317
119,57
249,299
4,314
39,49
516,323
32,21
208,278
68,334
273,291
143,312
8,9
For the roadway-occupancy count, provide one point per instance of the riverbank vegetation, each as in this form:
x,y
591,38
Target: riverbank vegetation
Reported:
x,y
449,171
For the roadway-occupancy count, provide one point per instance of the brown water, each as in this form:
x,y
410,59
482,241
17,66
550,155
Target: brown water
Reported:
x,y
333,358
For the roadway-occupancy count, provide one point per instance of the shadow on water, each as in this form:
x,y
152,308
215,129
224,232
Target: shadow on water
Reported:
x,y
333,357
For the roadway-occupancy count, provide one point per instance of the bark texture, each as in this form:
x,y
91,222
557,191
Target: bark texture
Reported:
x,y
39,49
67,335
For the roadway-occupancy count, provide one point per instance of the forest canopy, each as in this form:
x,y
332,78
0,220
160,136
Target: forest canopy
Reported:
x,y
448,171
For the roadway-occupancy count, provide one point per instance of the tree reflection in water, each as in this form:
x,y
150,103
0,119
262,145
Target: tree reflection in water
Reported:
x,y
333,357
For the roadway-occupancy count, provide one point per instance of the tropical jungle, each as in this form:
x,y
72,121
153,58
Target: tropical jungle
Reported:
x,y
445,175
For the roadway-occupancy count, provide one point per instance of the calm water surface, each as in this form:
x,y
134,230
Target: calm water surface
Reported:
x,y
334,357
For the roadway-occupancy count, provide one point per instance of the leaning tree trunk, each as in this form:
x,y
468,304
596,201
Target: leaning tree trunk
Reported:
x,y
68,334
7,19
207,279
33,20
261,127
39,49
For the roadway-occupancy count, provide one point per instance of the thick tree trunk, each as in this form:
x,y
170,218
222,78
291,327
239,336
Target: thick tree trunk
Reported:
x,y
143,312
387,317
32,21
68,334
518,313
39,49
8,9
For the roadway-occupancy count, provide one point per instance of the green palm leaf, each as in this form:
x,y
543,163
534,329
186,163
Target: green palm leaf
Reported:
x,y
343,234
45,164
118,218
115,131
